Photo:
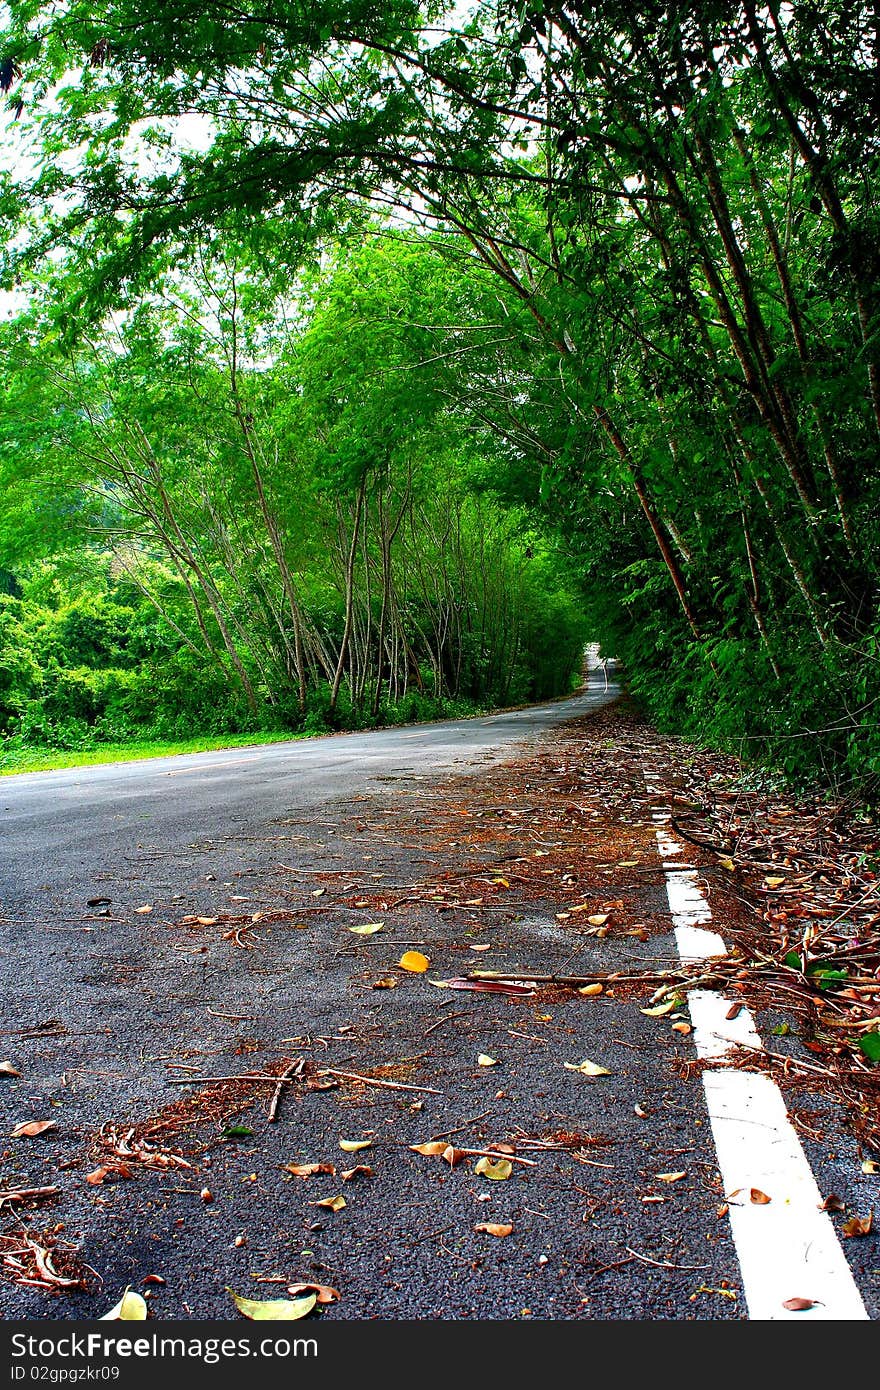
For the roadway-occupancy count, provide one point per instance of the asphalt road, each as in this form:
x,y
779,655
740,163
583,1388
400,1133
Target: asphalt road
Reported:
x,y
106,1004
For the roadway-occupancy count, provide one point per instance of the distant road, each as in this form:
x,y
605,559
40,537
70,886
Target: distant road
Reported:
x,y
60,828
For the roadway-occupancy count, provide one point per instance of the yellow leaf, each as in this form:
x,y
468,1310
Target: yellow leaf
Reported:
x,y
352,1146
319,892
130,1308
206,921
432,1150
414,961
726,863
660,1009
587,1068
598,919
774,882
147,907
368,930
502,882
670,1177
7,1069
497,1171
274,1309
682,1027
871,1166
386,982
485,1061
333,1203
627,863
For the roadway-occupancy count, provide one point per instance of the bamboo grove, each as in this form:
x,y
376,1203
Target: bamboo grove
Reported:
x,y
638,305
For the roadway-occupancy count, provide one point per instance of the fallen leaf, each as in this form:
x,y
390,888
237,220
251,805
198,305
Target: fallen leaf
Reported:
x,y
493,1228
386,982
7,1069
110,1170
414,961
627,863
497,1171
431,1150
587,1068
153,1279
774,882
670,1177
682,1027
452,1155
799,1305
598,919
735,1010
323,1292
274,1309
660,1009
147,907
305,1170
484,1060
871,1166
591,989
206,921
759,1198
859,1225
368,929
353,1146
483,946
489,985
319,892
727,863
130,1308
640,1111
832,1203
333,1203
361,1168
653,1201
31,1128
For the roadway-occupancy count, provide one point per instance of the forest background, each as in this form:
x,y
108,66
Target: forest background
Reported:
x,y
362,362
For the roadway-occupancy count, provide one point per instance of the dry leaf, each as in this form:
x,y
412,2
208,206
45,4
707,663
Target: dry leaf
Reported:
x,y
627,863
670,1177
871,1166
774,882
640,1111
333,1203
591,989
759,1198
353,1146
323,1292
734,1011
31,1128
414,961
153,1279
798,1305
497,1171
319,892
111,1170
130,1308
274,1309
368,930
598,919
361,1168
653,1201
682,1027
492,1228
859,1225
305,1170
727,863
206,921
587,1068
431,1150
386,982
147,907
483,946
7,1069
484,1060
660,1009
832,1203
452,1155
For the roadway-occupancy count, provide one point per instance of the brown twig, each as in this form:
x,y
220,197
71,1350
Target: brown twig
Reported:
x,y
375,1081
295,1069
27,1194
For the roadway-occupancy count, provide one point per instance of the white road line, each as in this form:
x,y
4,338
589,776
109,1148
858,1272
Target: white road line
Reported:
x,y
787,1248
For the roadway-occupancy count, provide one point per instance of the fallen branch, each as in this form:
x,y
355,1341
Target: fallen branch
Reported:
x,y
295,1069
27,1194
375,1081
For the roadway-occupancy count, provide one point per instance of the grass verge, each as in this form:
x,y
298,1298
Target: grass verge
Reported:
x,y
30,760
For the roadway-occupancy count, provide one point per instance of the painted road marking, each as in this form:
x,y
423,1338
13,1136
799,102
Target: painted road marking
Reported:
x,y
787,1248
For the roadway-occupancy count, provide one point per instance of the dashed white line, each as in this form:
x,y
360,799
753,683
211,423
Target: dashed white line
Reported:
x,y
787,1247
